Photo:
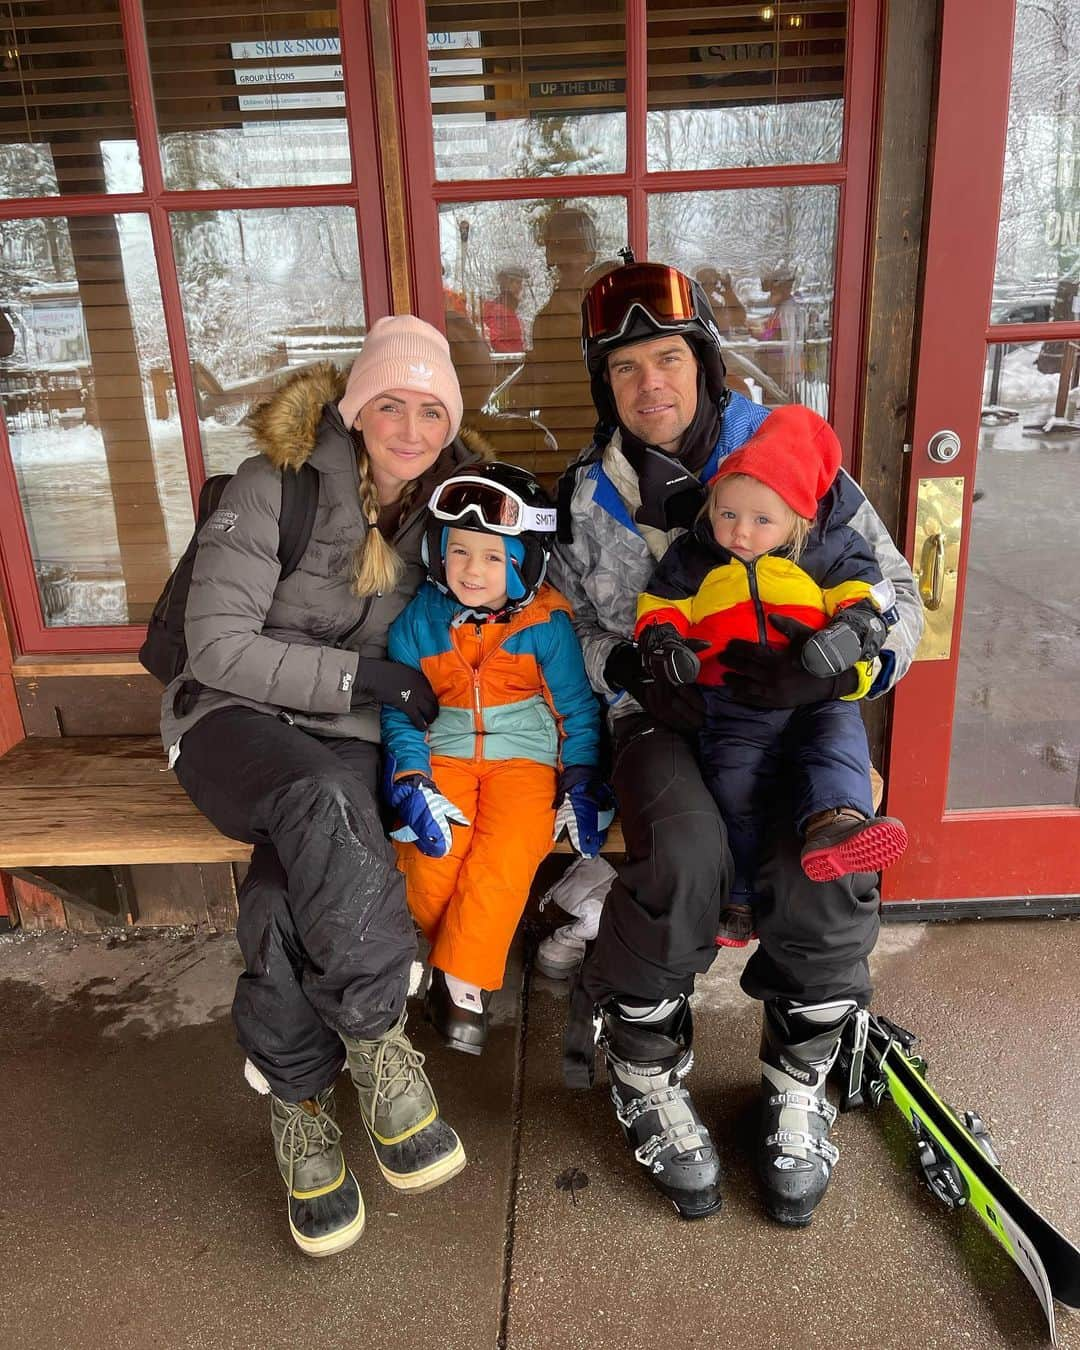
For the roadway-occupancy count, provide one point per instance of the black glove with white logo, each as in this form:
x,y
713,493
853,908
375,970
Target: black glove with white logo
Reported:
x,y
398,686
671,496
855,634
678,706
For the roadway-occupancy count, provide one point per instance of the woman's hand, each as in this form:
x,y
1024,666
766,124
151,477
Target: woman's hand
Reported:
x,y
399,686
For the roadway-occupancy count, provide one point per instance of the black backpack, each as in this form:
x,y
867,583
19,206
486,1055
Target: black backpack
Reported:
x,y
164,653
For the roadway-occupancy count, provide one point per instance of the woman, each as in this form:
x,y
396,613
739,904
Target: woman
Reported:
x,y
280,749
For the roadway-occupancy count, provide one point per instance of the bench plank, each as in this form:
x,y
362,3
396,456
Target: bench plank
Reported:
x,y
110,800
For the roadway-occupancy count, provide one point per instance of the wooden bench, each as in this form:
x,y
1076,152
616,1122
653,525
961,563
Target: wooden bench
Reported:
x,y
107,802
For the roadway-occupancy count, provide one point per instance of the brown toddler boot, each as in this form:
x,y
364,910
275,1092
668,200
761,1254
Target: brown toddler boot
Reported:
x,y
842,840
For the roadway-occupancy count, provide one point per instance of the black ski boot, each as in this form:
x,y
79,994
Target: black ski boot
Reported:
x,y
647,1061
799,1044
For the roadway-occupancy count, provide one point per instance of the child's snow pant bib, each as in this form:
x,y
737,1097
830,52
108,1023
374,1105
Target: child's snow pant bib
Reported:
x,y
468,904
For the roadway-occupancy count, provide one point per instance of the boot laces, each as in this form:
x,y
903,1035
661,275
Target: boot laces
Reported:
x,y
305,1135
397,1067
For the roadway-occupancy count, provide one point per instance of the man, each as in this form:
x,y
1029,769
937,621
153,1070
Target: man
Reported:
x,y
666,420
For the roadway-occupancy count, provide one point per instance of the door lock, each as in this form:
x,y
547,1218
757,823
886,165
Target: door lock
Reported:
x,y
943,446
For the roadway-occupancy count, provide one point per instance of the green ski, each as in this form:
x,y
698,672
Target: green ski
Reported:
x,y
956,1156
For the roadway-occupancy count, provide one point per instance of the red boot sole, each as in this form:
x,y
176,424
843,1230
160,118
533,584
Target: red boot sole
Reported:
x,y
876,845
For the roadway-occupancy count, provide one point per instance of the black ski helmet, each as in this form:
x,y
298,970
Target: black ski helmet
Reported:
x,y
639,301
518,489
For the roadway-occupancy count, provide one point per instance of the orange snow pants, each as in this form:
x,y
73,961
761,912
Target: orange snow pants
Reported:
x,y
468,904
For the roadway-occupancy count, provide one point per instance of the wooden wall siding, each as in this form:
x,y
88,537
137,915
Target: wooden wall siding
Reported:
x,y
911,59
89,705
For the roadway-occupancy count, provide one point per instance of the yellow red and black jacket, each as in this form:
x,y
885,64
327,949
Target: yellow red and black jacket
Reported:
x,y
707,592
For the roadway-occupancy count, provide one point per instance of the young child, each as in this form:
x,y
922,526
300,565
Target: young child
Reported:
x,y
773,560
510,760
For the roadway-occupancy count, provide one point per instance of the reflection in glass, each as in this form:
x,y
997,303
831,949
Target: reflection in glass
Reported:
x,y
65,104
735,85
252,97
103,482
1038,258
1016,726
765,257
517,270
527,91
266,293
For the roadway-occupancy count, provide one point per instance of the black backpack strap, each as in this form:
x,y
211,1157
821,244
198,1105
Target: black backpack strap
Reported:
x,y
299,502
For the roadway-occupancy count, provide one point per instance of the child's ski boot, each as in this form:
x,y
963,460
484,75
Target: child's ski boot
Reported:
x,y
648,1052
799,1044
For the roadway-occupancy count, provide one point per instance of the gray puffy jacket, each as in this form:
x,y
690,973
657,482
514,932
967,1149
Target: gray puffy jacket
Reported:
x,y
293,646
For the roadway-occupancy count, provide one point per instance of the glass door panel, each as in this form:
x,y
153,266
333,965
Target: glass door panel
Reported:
x,y
1016,726
733,85
766,257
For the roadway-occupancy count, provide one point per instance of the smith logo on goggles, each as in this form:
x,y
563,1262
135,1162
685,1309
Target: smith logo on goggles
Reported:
x,y
496,508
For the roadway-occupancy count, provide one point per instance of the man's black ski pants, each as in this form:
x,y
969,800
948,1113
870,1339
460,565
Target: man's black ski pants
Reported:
x,y
659,925
323,927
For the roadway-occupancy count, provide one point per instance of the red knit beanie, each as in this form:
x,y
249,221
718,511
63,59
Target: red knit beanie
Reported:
x,y
795,452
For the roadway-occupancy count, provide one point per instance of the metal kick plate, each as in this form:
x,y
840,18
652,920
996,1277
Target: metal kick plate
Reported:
x,y
938,521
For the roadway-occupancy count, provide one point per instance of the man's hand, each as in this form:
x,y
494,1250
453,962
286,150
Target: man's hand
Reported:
x,y
584,808
774,677
671,496
678,706
667,655
426,815
400,686
857,633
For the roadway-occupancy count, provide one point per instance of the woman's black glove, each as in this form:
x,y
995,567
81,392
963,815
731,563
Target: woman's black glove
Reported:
x,y
678,706
398,686
774,677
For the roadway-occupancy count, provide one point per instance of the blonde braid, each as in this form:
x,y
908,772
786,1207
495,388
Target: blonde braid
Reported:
x,y
376,564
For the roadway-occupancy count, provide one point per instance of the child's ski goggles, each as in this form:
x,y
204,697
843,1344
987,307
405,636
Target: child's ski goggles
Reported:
x,y
664,293
496,508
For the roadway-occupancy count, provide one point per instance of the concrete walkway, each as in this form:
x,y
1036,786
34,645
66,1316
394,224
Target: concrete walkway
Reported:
x,y
140,1206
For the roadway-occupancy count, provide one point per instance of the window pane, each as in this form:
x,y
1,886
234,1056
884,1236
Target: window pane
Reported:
x,y
733,85
1038,262
102,480
65,104
513,277
766,259
537,88
265,293
1016,728
253,98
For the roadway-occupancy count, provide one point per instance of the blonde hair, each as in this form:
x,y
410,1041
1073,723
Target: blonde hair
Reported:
x,y
798,526
377,565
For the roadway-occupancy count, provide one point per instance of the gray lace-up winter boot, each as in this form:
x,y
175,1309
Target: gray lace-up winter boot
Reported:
x,y
415,1148
326,1209
799,1045
647,1062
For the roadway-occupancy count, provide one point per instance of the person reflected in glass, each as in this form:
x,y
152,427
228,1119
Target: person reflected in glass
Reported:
x,y
502,323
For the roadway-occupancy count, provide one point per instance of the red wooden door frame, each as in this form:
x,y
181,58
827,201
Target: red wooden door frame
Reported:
x,y
1017,852
852,175
156,202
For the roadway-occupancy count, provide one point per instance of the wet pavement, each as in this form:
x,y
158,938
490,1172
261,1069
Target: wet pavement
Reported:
x,y
140,1206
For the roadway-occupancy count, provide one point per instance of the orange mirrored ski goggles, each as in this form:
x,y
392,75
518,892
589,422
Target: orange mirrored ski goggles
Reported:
x,y
663,292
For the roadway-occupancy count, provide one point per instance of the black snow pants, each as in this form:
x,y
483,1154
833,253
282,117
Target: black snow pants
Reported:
x,y
324,928
659,923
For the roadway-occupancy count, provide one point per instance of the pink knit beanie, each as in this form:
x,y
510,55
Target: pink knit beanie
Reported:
x,y
402,352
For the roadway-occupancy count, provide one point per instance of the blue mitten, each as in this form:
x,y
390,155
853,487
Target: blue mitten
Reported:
x,y
425,813
584,808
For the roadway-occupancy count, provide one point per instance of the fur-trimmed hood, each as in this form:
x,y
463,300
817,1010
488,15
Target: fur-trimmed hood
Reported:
x,y
286,425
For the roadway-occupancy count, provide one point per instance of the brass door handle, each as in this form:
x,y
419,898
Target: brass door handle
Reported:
x,y
932,570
